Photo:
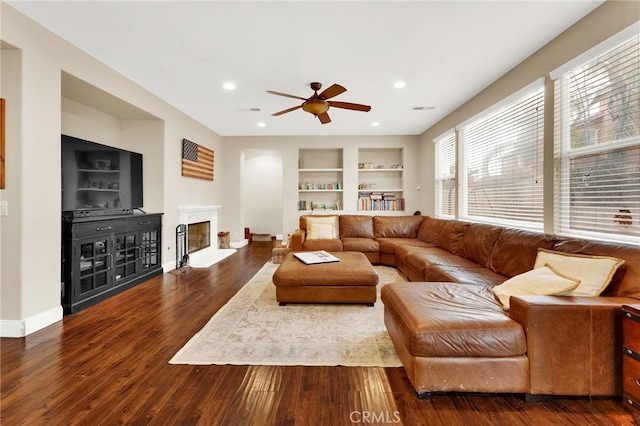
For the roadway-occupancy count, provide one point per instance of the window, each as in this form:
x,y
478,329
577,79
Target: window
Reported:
x,y
501,162
446,175
597,142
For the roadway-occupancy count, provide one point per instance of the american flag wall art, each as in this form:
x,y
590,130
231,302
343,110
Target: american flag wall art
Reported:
x,y
197,161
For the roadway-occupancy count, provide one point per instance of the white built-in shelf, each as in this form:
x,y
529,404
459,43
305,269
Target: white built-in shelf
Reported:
x,y
380,170
319,167
319,170
381,190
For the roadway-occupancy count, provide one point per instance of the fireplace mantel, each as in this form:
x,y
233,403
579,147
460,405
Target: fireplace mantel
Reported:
x,y
212,254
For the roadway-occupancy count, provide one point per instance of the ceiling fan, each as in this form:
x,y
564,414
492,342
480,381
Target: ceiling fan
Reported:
x,y
318,104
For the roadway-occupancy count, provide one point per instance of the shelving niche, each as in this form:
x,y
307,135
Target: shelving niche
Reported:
x,y
381,179
320,179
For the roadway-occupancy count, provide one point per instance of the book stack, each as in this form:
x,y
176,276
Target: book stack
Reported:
x,y
388,196
380,202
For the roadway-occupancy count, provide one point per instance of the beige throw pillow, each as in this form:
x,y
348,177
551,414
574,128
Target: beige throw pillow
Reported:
x,y
544,281
594,272
320,231
315,232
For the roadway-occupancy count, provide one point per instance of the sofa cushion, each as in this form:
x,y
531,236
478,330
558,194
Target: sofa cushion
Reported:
x,y
332,244
542,281
363,245
389,245
404,251
419,258
626,281
356,226
451,320
430,229
478,242
442,257
465,275
593,272
451,235
516,250
396,226
416,262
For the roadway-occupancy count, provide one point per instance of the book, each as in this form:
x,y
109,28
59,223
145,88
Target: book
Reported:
x,y
315,257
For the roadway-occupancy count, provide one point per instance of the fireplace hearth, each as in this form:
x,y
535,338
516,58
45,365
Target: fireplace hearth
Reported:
x,y
206,253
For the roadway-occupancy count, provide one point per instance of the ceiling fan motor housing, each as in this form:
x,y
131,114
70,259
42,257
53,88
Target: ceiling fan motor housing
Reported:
x,y
315,86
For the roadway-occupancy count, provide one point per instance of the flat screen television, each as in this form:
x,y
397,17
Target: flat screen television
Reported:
x,y
99,179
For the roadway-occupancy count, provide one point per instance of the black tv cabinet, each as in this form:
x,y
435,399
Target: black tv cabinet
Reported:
x,y
103,256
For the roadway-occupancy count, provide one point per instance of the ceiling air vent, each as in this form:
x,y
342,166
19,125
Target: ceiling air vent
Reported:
x,y
423,108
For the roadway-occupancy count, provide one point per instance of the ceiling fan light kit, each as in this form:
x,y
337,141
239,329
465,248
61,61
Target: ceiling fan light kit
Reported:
x,y
318,104
315,106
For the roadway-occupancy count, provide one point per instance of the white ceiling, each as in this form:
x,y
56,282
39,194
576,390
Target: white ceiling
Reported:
x,y
446,52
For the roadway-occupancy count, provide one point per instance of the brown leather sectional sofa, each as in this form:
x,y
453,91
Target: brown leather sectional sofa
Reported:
x,y
452,334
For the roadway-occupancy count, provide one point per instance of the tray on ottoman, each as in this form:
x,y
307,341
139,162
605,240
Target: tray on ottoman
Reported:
x,y
351,280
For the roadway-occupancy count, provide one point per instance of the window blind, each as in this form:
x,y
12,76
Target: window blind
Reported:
x,y
502,161
445,178
597,145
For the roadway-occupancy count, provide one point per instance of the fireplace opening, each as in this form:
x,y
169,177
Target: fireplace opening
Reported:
x,y
199,236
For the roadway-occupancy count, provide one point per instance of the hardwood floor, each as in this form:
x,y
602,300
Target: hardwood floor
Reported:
x,y
108,365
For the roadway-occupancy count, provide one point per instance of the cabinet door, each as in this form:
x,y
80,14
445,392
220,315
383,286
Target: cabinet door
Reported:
x,y
95,267
126,255
150,248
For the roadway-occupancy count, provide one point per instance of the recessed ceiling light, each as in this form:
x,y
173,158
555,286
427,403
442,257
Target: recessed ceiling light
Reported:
x,y
229,86
262,124
375,124
399,84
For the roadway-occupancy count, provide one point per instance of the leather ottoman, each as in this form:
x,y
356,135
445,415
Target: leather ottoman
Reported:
x,y
351,280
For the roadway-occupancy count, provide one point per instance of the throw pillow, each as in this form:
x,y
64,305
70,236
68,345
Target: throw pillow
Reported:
x,y
544,281
332,220
594,272
321,231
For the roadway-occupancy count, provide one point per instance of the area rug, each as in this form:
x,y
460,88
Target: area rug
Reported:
x,y
252,329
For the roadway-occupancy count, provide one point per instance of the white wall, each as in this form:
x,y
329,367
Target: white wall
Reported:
x,y
33,63
10,242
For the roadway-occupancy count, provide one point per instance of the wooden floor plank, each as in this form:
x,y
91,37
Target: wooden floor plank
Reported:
x,y
109,365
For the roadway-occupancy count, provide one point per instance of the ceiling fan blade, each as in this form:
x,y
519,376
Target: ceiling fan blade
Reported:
x,y
275,114
349,105
324,118
332,91
285,95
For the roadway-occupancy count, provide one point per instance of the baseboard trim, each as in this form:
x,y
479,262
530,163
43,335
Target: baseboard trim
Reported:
x,y
239,244
169,266
22,328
